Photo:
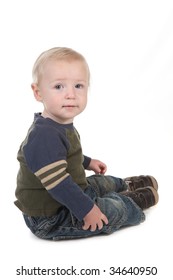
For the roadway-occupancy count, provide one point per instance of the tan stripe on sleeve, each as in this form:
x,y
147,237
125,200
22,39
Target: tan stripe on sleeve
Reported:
x,y
49,167
54,184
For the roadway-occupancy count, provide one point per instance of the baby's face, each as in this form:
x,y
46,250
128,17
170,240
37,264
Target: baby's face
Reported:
x,y
63,90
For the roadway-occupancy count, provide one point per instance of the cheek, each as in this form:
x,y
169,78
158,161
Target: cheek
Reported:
x,y
85,97
84,100
52,100
50,104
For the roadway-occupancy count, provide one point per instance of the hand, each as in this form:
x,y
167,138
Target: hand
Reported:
x,y
97,166
94,219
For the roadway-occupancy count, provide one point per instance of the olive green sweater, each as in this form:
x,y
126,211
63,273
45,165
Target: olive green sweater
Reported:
x,y
51,172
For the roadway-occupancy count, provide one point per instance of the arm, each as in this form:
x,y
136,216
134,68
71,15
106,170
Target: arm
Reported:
x,y
72,196
49,165
45,155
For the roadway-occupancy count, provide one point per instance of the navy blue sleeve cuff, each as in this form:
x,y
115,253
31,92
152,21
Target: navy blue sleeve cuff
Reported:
x,y
86,162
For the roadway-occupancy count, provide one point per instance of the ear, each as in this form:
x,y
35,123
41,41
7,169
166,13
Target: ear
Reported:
x,y
36,92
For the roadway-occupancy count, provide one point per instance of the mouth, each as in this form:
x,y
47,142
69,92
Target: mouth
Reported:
x,y
69,106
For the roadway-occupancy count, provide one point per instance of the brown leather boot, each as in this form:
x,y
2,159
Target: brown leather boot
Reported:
x,y
136,182
143,197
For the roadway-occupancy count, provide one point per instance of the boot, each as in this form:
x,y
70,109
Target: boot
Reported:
x,y
142,181
143,197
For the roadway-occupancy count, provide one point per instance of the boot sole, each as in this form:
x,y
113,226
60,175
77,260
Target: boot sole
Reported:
x,y
154,182
155,194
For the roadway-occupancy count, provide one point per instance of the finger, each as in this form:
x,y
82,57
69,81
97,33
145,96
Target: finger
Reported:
x,y
90,227
102,222
98,171
93,227
100,225
86,226
103,169
105,219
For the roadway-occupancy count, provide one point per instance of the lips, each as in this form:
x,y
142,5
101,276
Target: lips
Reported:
x,y
69,106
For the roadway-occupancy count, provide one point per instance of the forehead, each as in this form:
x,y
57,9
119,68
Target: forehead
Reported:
x,y
65,69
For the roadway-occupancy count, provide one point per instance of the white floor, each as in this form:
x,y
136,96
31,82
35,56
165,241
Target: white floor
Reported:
x,y
128,124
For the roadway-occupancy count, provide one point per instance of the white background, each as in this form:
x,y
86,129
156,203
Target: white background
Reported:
x,y
128,122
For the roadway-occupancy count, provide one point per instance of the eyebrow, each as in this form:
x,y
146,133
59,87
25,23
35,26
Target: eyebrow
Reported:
x,y
63,79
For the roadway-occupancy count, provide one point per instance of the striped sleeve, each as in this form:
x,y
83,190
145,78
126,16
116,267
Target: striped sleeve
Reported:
x,y
72,196
45,156
52,174
62,188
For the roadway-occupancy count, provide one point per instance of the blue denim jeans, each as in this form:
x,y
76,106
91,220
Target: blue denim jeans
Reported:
x,y
105,191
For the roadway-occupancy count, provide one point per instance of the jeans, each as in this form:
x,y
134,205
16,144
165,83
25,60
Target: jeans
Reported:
x,y
105,191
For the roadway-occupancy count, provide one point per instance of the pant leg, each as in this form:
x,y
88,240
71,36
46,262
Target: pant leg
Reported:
x,y
120,210
105,184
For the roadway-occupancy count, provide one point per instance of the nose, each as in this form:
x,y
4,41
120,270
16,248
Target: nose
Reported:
x,y
70,94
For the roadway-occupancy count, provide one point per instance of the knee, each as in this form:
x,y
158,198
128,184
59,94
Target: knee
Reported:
x,y
114,209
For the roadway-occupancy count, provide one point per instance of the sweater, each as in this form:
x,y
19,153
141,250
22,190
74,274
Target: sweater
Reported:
x,y
52,170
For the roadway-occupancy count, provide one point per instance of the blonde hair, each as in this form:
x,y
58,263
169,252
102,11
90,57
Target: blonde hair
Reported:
x,y
57,53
